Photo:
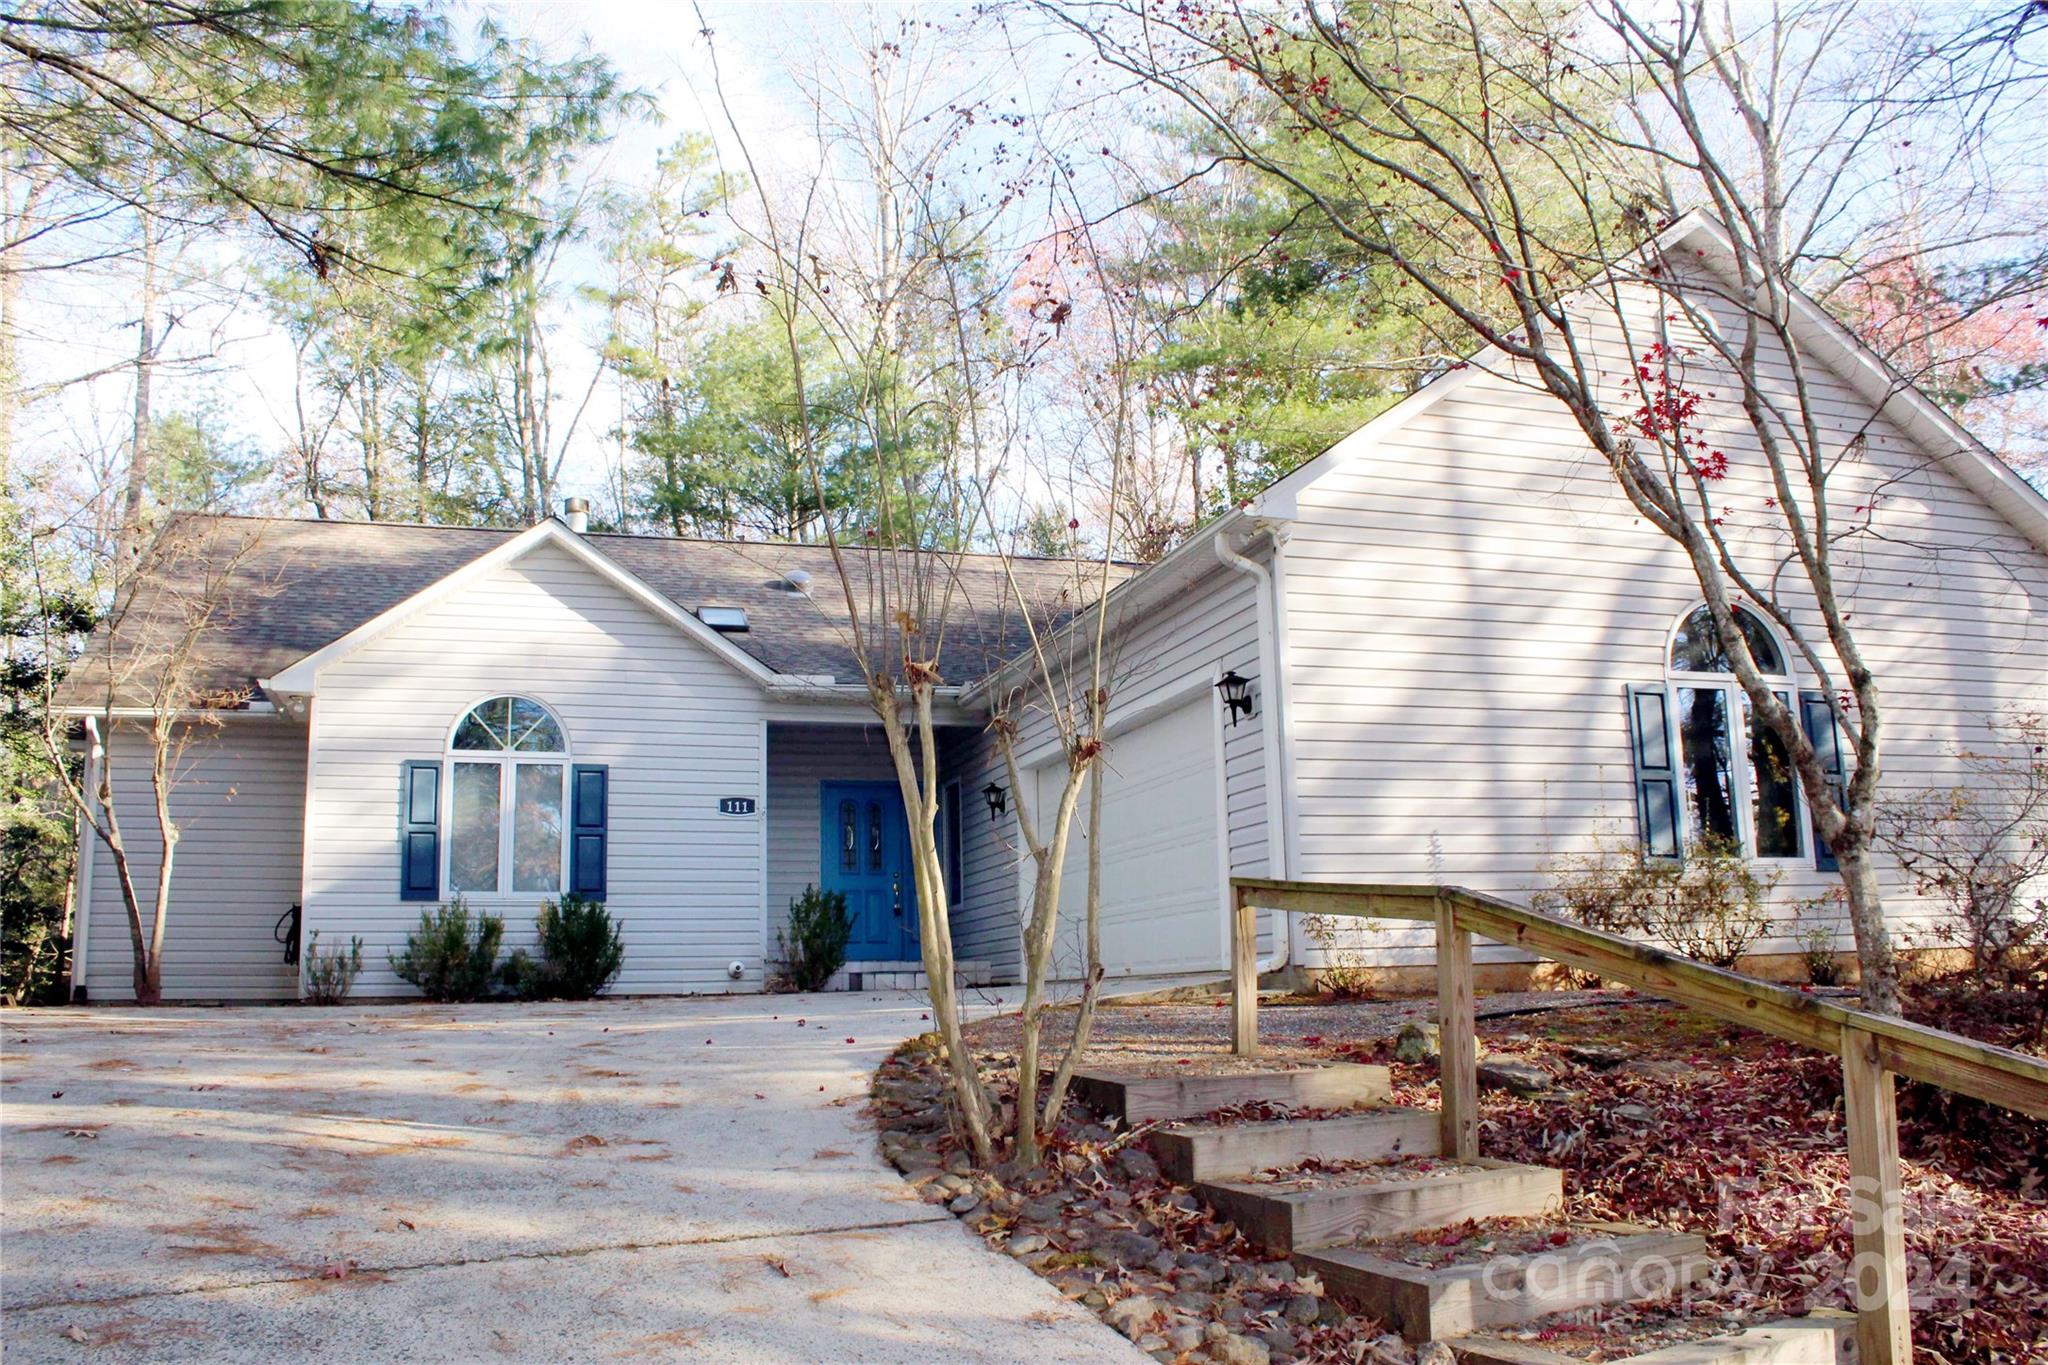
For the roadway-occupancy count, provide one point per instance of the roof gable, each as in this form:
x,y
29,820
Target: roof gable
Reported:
x,y
1939,437
301,677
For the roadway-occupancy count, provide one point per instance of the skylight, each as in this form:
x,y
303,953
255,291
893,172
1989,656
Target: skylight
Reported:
x,y
731,620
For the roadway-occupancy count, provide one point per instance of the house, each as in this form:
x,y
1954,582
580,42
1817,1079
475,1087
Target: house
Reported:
x,y
1464,656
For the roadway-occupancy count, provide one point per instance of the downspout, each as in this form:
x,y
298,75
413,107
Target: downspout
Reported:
x,y
1272,724
83,855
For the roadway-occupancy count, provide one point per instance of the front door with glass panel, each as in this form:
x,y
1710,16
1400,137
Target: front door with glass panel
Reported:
x,y
866,858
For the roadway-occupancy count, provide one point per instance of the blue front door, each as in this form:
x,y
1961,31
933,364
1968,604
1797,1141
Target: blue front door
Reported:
x,y
865,841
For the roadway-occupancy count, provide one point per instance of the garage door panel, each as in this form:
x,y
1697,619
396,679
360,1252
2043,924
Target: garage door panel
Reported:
x,y
1161,867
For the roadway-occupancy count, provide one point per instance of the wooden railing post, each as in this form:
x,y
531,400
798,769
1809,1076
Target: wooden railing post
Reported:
x,y
1457,1036
1244,975
1877,1276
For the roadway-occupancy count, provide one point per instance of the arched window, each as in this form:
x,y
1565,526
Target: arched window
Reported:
x,y
1736,778
507,792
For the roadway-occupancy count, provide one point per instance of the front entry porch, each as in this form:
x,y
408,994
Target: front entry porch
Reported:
x,y
836,821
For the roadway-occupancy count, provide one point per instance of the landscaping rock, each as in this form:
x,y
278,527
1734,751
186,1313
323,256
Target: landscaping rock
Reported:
x,y
1137,1165
1128,1248
1435,1353
1518,1078
1133,1316
1237,1350
1420,1041
966,1203
1028,1243
1597,1057
1303,1309
1186,1337
1043,1212
1634,1113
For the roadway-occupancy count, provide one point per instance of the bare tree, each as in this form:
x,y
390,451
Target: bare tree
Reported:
x,y
1516,164
143,674
1068,675
892,277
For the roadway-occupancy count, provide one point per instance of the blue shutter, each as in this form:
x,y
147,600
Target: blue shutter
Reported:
x,y
1649,734
590,792
1818,721
419,831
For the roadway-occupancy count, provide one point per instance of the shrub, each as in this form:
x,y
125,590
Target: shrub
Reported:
x,y
1979,847
1710,907
450,957
814,942
1343,975
581,952
1817,948
331,976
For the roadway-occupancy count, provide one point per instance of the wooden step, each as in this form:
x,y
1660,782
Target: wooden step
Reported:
x,y
1189,1152
1602,1263
1347,1206
1136,1096
1823,1339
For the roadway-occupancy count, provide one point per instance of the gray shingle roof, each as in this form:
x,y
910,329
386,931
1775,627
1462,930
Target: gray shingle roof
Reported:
x,y
278,589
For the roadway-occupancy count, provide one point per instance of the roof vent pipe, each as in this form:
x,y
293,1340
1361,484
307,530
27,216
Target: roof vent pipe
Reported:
x,y
576,514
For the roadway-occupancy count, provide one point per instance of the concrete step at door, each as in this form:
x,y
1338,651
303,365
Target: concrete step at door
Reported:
x,y
1137,1095
1192,1152
1594,1264
1292,1211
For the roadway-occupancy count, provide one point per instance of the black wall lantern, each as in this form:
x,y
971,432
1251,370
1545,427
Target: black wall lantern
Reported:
x,y
1237,694
998,799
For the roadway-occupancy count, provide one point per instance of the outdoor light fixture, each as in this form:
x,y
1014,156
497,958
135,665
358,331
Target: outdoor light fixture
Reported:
x,y
998,800
1237,695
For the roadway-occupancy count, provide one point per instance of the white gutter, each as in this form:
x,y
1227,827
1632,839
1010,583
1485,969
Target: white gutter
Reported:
x,y
1267,607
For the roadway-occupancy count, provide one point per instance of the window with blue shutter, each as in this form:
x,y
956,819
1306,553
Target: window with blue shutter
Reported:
x,y
1656,778
419,831
591,787
1818,720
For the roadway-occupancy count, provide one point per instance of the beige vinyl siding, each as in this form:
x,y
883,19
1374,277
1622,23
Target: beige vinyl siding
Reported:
x,y
677,727
1167,651
237,801
1469,594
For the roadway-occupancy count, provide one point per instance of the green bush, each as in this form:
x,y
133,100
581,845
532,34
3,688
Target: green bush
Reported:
x,y
450,956
814,942
580,953
331,976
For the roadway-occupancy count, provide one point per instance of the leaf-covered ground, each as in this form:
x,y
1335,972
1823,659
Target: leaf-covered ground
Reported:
x,y
1661,1116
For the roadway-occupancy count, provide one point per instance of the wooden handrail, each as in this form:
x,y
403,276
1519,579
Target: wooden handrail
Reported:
x,y
1872,1047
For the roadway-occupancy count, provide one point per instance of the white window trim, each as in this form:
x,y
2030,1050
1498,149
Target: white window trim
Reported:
x,y
1743,774
505,761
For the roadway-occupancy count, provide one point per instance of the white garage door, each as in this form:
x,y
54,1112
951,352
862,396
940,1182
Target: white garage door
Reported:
x,y
1162,907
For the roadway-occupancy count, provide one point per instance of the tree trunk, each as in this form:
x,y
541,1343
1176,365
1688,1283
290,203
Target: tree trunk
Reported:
x,y
919,783
419,450
1879,969
145,363
1049,855
1091,987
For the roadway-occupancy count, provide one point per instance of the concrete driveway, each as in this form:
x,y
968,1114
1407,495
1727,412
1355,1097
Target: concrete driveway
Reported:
x,y
630,1179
